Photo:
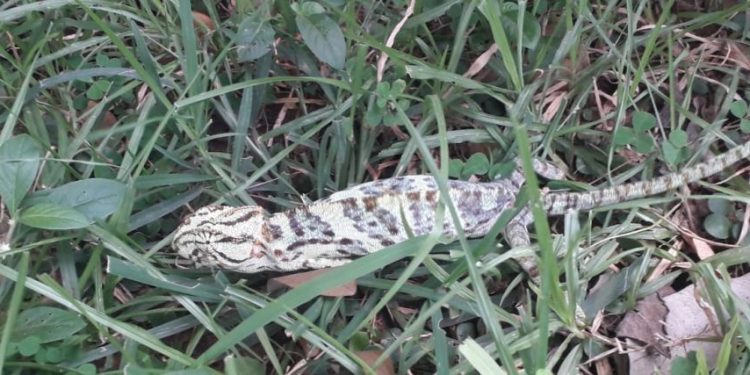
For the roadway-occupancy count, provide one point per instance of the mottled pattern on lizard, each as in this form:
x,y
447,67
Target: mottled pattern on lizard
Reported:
x,y
370,216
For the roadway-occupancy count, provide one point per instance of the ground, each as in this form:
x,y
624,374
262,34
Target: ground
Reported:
x,y
121,118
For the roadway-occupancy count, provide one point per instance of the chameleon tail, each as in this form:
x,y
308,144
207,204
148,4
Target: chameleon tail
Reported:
x,y
559,203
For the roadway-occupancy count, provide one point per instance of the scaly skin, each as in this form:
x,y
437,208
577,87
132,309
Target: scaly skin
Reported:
x,y
328,232
370,216
559,203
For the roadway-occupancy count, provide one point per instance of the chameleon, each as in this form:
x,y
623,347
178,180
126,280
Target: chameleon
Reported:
x,y
368,217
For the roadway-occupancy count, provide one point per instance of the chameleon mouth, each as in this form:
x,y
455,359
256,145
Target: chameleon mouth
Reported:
x,y
180,261
201,259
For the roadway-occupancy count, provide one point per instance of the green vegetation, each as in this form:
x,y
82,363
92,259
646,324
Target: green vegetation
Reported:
x,y
120,118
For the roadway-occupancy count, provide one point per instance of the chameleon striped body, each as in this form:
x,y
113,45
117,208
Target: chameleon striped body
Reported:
x,y
374,215
329,232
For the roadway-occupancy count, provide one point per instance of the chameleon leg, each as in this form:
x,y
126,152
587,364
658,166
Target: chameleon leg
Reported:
x,y
547,170
518,236
541,167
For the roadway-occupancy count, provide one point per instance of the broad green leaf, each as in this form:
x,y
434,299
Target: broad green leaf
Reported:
x,y
531,30
390,118
719,206
97,90
54,217
685,365
383,89
404,104
643,121
308,8
717,226
738,108
47,323
324,38
671,153
374,114
398,87
643,143
678,137
454,168
624,136
29,345
54,354
384,94
87,369
745,125
476,165
254,39
20,157
95,198
501,170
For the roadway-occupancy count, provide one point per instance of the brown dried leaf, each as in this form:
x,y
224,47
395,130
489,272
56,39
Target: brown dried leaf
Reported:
x,y
702,249
739,54
603,367
631,157
107,119
689,326
481,61
392,38
203,22
296,279
369,356
554,107
644,324
700,246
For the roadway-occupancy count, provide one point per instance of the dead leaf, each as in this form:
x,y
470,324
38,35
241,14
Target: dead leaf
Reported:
x,y
553,108
700,246
631,157
739,54
550,101
107,118
702,249
203,22
644,324
296,279
481,61
603,367
688,326
391,39
369,356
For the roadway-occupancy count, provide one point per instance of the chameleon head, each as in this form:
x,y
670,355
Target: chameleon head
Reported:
x,y
226,237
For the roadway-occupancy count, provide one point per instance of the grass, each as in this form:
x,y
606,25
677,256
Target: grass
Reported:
x,y
120,118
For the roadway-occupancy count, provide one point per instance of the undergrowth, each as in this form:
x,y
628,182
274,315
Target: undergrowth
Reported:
x,y
121,118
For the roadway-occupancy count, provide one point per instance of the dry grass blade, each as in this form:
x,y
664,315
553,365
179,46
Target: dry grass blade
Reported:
x,y
392,38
